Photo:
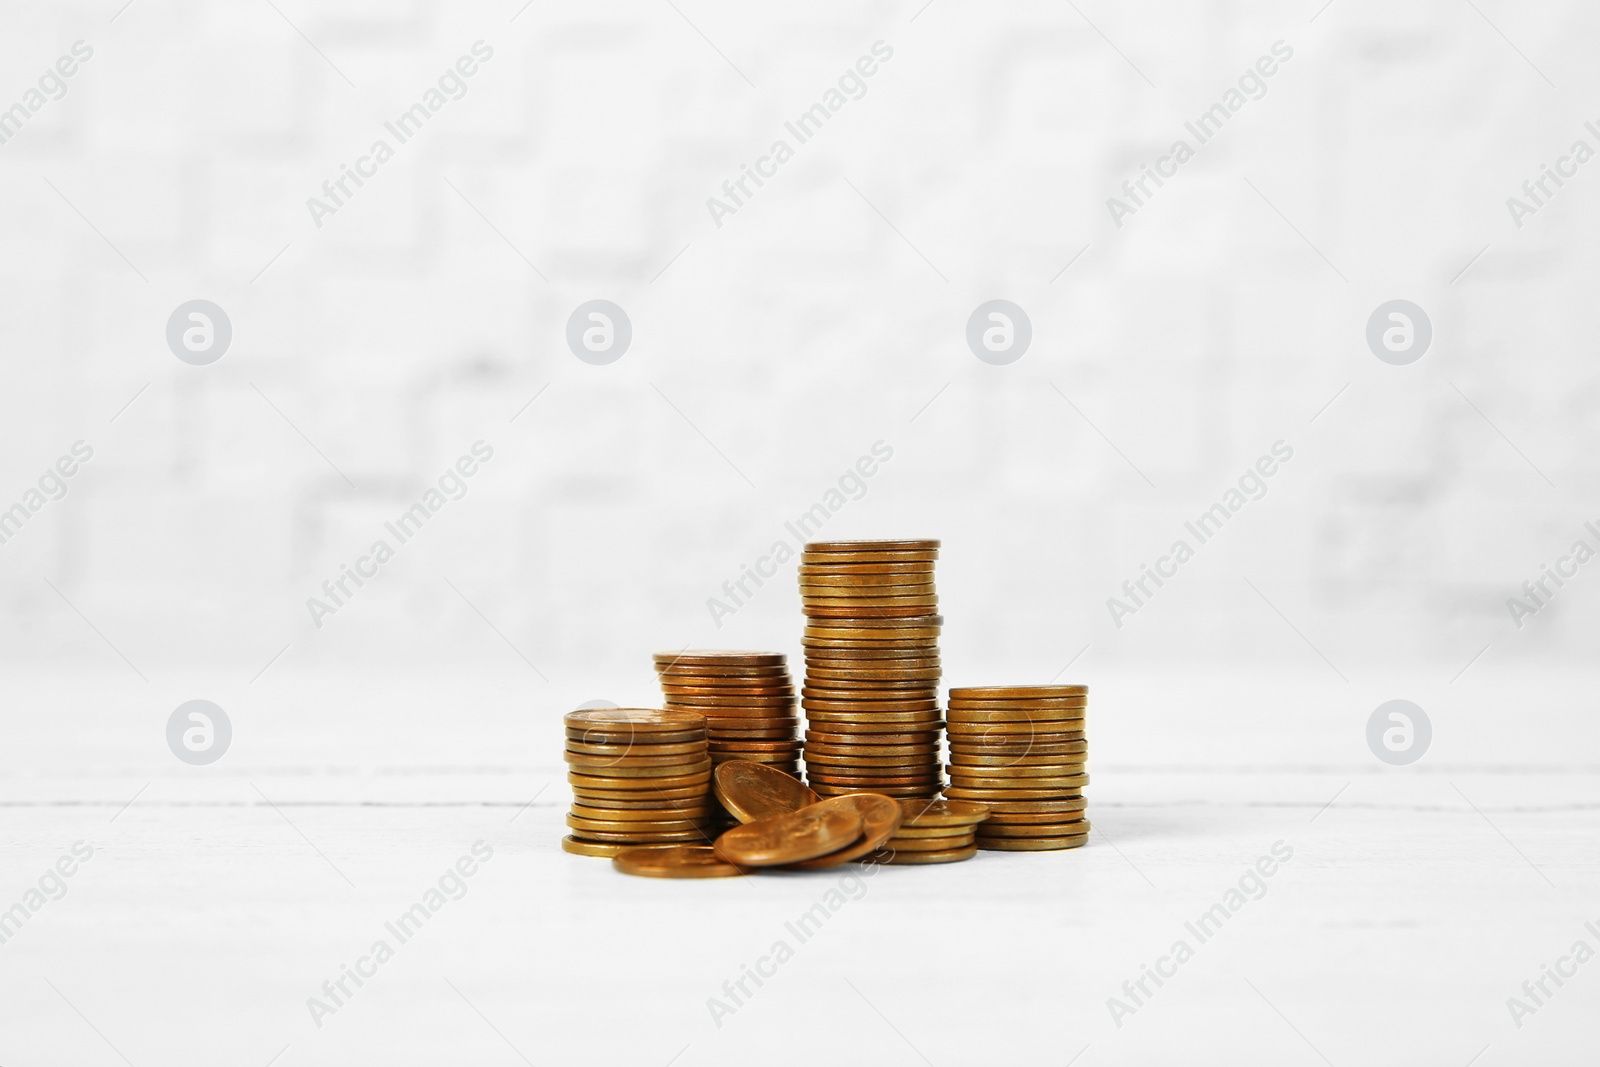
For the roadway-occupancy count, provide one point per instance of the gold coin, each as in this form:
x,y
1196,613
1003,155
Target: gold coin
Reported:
x,y
940,832
720,657
980,750
647,837
854,592
683,799
697,701
647,815
916,544
908,737
1023,773
790,837
625,739
640,720
1058,829
590,749
1020,705
608,783
1060,784
1017,692
722,741
1054,807
674,861
873,674
990,796
752,791
1031,844
785,690
934,813
948,838
679,768
1013,731
632,759
1032,818
869,557
898,791
911,628
823,748
869,783
880,818
591,848
822,566
1047,719
897,859
874,718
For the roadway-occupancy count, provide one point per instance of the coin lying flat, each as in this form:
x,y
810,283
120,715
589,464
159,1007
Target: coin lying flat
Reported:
x,y
1031,844
791,837
592,848
641,720
907,858
1061,829
1017,692
942,813
674,861
752,791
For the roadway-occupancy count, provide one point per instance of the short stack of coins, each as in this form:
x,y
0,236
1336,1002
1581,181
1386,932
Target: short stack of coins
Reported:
x,y
871,692
933,831
639,776
1021,751
747,699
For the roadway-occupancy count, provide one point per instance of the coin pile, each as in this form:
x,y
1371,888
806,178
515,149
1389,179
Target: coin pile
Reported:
x,y
746,697
872,667
639,776
1020,751
783,825
933,831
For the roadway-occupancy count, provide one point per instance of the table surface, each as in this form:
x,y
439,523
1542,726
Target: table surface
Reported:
x,y
218,901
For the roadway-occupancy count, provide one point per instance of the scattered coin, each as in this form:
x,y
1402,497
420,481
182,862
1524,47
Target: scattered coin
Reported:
x,y
880,818
791,837
752,791
674,861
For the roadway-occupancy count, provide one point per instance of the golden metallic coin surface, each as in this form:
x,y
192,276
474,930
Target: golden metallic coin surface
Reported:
x,y
1021,773
1018,692
1059,829
752,791
674,861
1031,844
1059,806
791,837
718,656
1063,784
676,749
949,838
609,784
880,818
994,797
640,720
942,813
930,544
696,836
592,848
898,859
648,815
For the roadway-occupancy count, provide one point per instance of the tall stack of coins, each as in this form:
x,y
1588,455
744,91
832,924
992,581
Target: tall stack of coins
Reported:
x,y
639,777
933,831
1020,751
871,693
747,699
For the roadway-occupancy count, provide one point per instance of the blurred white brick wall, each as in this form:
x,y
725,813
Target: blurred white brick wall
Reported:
x,y
799,332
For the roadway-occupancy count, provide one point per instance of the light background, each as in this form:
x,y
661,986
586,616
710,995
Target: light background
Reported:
x,y
768,354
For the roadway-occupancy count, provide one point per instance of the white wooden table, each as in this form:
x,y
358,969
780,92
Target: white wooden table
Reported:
x,y
222,898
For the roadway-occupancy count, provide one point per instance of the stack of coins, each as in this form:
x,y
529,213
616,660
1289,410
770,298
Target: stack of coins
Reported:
x,y
933,831
871,693
747,699
1020,751
639,777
